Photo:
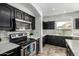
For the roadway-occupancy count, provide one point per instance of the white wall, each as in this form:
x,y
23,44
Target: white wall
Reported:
x,y
37,27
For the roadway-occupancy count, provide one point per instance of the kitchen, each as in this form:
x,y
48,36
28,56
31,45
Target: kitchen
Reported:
x,y
17,28
25,30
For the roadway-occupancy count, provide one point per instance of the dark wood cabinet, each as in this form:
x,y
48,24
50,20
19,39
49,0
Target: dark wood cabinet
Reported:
x,y
24,16
27,17
44,40
32,19
33,23
77,23
44,25
6,17
55,40
8,14
49,25
13,52
37,45
19,14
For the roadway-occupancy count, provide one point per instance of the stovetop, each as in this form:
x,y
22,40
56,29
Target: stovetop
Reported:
x,y
24,43
20,39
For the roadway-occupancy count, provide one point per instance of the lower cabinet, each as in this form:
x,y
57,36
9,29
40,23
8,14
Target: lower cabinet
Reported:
x,y
37,46
44,40
68,51
13,52
55,40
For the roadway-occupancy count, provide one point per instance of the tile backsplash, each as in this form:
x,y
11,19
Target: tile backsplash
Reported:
x,y
4,36
49,32
76,32
57,31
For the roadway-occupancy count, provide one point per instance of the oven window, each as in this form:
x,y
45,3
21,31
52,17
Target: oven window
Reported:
x,y
33,47
27,51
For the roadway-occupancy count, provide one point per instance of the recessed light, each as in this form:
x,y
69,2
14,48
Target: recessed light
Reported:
x,y
53,9
64,11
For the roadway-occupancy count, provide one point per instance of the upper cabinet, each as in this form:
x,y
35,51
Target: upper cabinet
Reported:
x,y
77,23
12,18
27,17
33,23
44,25
49,25
32,20
6,17
19,14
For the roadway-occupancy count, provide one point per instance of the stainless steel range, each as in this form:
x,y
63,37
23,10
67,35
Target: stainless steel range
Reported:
x,y
28,46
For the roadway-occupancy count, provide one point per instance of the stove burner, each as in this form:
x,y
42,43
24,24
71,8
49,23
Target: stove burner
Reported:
x,y
20,39
24,43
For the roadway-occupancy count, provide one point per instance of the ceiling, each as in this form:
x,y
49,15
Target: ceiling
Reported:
x,y
32,8
50,9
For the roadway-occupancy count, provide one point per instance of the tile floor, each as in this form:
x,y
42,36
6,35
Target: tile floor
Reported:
x,y
51,50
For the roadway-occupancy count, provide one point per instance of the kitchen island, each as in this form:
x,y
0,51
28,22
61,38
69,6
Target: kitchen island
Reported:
x,y
74,46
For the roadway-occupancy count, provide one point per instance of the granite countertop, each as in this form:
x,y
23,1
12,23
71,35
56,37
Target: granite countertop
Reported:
x,y
4,47
63,35
74,45
34,37
66,35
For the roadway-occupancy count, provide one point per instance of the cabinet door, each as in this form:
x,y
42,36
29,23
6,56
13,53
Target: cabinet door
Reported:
x,y
33,24
18,14
32,19
51,25
23,15
45,25
77,23
6,16
37,45
27,17
62,41
56,40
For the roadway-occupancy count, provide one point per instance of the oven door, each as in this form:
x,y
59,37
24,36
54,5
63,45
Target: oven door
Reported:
x,y
33,49
29,50
26,51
